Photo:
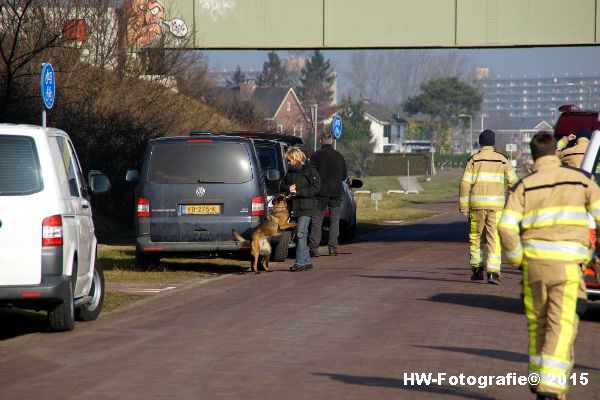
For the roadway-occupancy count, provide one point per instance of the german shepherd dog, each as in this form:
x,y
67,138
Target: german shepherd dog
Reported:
x,y
275,223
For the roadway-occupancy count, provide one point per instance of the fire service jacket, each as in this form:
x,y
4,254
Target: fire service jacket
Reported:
x,y
483,185
573,156
546,214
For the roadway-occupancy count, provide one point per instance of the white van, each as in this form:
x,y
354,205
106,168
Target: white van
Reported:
x,y
47,240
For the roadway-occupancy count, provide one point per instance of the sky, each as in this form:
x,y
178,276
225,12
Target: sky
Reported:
x,y
545,61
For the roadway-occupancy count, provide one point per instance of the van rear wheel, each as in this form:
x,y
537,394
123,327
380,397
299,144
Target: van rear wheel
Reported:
x,y
61,317
281,250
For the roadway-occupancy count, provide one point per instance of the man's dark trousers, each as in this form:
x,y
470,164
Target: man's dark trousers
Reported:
x,y
335,207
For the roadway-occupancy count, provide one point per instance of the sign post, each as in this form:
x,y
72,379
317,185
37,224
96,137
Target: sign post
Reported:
x,y
48,89
337,128
376,197
313,113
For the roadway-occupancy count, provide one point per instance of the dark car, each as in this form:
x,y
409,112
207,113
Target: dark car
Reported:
x,y
348,213
192,191
271,147
571,120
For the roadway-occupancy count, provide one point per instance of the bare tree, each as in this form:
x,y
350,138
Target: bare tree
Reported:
x,y
390,77
28,28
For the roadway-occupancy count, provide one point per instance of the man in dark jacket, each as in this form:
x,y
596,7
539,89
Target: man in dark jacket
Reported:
x,y
332,170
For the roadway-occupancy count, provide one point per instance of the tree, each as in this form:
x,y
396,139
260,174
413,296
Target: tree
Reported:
x,y
356,142
391,77
274,73
29,29
316,80
237,78
443,99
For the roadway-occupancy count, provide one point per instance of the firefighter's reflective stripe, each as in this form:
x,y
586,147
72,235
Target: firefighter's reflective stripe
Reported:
x,y
515,256
562,143
494,261
554,250
483,201
595,211
476,258
512,177
467,177
511,220
463,202
535,361
495,177
551,216
475,250
568,318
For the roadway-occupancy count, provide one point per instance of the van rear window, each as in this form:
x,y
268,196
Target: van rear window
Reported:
x,y
211,162
19,166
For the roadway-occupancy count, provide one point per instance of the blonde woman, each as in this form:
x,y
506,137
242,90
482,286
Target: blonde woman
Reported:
x,y
303,182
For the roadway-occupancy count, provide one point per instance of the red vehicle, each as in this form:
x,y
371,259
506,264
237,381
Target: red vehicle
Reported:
x,y
570,121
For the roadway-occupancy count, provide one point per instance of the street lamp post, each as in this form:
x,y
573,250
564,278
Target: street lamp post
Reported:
x,y
470,128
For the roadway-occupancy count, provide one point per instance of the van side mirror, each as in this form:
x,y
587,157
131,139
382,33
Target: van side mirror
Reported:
x,y
99,183
133,175
356,183
273,174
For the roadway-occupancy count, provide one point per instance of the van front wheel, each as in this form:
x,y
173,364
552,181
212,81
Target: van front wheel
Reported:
x,y
90,310
146,261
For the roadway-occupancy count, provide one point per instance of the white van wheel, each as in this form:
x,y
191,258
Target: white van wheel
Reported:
x,y
62,316
90,310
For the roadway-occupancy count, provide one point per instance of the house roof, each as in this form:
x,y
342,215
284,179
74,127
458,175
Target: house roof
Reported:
x,y
269,99
533,123
380,113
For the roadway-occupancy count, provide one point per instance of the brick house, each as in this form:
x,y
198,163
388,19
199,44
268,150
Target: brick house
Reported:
x,y
282,110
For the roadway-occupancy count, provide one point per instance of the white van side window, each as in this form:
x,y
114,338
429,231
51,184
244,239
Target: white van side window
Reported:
x,y
59,165
69,165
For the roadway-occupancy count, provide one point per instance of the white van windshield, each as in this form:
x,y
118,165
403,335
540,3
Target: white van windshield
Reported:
x,y
205,162
19,166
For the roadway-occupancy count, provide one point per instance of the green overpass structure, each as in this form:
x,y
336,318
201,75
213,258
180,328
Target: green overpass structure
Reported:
x,y
272,24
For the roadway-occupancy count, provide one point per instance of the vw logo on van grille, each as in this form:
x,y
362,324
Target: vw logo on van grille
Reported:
x,y
200,191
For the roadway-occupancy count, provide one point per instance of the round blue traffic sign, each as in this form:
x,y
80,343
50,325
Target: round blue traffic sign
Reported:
x,y
48,85
336,126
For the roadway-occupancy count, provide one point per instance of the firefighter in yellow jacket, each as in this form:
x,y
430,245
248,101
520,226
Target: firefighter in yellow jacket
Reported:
x,y
544,231
573,156
482,195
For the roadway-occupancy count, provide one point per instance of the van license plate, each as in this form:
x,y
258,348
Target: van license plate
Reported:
x,y
202,209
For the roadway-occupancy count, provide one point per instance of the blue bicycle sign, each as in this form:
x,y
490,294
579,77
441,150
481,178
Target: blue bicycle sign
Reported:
x,y
48,85
336,126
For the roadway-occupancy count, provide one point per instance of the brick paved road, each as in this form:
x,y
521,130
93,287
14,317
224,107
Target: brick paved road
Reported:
x,y
397,302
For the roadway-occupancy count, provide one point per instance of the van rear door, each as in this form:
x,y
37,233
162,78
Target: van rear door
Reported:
x,y
21,211
201,188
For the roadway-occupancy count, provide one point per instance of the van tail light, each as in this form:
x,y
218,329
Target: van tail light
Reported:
x,y
143,207
258,206
52,231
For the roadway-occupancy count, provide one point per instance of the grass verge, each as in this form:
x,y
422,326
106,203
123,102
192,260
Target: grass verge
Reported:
x,y
395,207
119,266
